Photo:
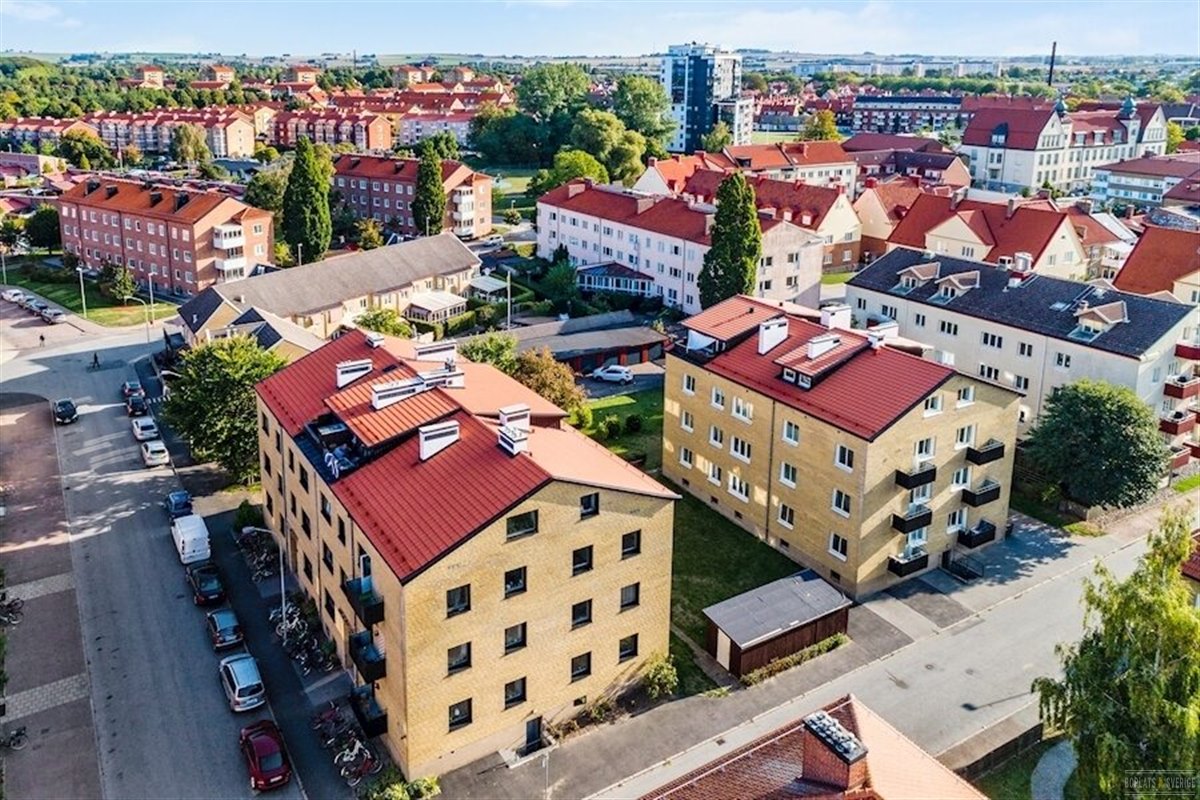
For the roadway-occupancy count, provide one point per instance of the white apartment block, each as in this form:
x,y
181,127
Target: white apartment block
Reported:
x,y
1144,181
665,239
1035,333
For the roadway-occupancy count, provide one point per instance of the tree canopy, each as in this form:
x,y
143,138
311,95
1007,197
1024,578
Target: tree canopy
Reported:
x,y
1175,136
717,139
42,229
495,348
568,166
384,320
821,126
265,190
548,89
1100,444
81,147
554,381
306,223
642,104
369,234
731,263
1129,698
189,145
429,199
212,403
444,144
602,135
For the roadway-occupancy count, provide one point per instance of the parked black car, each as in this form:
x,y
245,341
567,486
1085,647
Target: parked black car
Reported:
x,y
65,412
135,406
205,581
178,504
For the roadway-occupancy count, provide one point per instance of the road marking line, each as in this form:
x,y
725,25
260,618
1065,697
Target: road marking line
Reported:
x,y
43,586
47,696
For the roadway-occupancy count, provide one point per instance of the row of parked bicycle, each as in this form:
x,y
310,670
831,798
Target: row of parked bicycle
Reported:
x,y
341,734
10,611
260,552
301,636
39,308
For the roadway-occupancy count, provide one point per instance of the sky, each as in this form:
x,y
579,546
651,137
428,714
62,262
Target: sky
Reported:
x,y
605,27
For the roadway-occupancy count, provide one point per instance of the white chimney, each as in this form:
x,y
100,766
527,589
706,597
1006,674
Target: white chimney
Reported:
x,y
392,392
447,377
445,350
884,330
771,333
1022,261
349,371
820,345
835,315
374,340
513,440
515,416
437,437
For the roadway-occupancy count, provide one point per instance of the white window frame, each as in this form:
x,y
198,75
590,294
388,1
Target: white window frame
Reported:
x,y
737,445
717,398
965,397
736,480
964,437
833,550
833,503
838,461
933,405
784,468
687,421
787,520
689,384
743,410
961,478
686,457
788,425
716,437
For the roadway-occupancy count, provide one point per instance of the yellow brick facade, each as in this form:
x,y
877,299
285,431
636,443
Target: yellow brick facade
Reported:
x,y
809,453
417,633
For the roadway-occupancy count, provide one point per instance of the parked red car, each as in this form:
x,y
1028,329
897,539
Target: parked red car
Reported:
x,y
262,746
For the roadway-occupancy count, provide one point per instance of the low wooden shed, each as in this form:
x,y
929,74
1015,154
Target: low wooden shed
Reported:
x,y
775,620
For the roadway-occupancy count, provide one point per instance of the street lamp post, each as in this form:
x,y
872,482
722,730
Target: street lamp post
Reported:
x,y
82,296
300,254
145,310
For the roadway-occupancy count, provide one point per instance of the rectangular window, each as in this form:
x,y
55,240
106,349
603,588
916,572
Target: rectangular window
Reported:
x,y
993,340
718,398
458,600
460,714
514,693
631,544
514,582
581,614
739,488
791,432
925,449
266,465
714,474
306,524
341,530
581,666
689,384
716,437
1062,361
743,410
838,546
687,421
961,478
787,516
841,503
919,320
888,311
740,449
631,595
989,373
957,520
844,457
522,524
933,405
304,479
1020,383
685,457
627,648
1025,349
308,569
581,560
589,505
787,474
327,557
514,638
948,328
966,396
964,437
326,508
458,658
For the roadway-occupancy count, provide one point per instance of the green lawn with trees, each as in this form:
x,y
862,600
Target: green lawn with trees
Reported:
x,y
642,439
63,291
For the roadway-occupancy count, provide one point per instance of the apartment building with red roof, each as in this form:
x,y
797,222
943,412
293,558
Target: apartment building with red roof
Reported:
x,y
857,459
1165,261
815,163
1146,181
482,568
844,751
145,77
228,130
382,188
36,130
664,239
1014,148
1033,235
880,206
177,240
363,129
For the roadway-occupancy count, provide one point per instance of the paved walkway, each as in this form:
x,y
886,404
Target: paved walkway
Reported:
x,y
1052,772
47,688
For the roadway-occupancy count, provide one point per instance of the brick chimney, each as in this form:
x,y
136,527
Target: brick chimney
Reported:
x,y
1012,208
871,183
832,755
651,161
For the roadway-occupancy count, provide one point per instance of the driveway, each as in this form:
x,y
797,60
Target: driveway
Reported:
x,y
647,375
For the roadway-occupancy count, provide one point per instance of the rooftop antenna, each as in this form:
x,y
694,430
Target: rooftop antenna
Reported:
x,y
1053,55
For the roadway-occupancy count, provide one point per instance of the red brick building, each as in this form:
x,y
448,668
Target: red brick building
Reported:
x,y
365,130
383,188
181,240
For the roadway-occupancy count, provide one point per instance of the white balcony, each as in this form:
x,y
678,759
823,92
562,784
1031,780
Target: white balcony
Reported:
x,y
228,237
231,268
465,217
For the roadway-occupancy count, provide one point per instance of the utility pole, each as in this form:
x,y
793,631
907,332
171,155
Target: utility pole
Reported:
x,y
299,254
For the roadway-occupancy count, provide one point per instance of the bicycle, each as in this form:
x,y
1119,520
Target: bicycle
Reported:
x,y
10,618
15,740
326,715
355,772
357,750
11,606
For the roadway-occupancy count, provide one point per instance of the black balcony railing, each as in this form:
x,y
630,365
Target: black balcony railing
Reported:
x,y
986,453
980,533
987,492
908,562
367,605
371,664
370,715
917,476
918,516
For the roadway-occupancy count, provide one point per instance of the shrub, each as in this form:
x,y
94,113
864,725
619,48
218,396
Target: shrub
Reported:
x,y
421,788
601,710
611,425
633,423
485,315
660,678
388,785
436,328
795,659
581,417
512,216
247,515
459,323
48,274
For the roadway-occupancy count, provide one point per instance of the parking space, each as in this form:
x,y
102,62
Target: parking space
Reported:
x,y
25,331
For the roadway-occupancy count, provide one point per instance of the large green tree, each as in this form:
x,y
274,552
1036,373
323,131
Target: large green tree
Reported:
x,y
1100,444
445,145
605,137
555,381
212,403
81,147
568,166
265,190
429,199
384,320
1175,136
306,223
642,104
189,145
42,230
369,234
1129,695
732,261
12,232
821,126
717,139
495,348
548,89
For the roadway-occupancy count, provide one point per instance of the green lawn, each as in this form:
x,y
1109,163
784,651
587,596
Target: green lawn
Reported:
x,y
1010,781
692,679
101,310
1033,507
648,441
833,278
713,561
1188,483
771,137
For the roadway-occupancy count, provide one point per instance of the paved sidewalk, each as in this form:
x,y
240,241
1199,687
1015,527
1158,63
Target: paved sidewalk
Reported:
x,y
47,688
1053,770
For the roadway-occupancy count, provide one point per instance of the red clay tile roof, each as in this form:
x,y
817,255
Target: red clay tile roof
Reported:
x,y
1191,567
849,397
1089,230
396,169
779,156
352,406
799,197
677,169
1187,190
887,141
1161,257
1179,165
1030,229
771,767
1023,126
896,197
733,317
132,197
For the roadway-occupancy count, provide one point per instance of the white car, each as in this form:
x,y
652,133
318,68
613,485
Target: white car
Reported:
x,y
54,316
144,428
614,373
13,295
155,454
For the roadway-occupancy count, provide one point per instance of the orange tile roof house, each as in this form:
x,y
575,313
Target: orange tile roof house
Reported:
x,y
844,751
363,129
1145,181
145,77
1164,261
815,163
179,240
382,188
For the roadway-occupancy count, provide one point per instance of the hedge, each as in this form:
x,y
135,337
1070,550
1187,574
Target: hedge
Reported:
x,y
436,328
795,659
459,323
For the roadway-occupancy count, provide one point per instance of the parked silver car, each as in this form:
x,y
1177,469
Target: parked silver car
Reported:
x,y
242,682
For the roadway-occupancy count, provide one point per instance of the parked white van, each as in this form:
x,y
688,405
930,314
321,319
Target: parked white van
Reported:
x,y
190,535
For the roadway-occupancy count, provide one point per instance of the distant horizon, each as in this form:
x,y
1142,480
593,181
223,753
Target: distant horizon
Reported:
x,y
564,29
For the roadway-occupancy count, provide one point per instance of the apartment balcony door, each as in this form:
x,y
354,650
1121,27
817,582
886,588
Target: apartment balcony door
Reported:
x,y
533,735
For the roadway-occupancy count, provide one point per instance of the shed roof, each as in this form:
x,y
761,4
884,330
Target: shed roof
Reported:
x,y
775,608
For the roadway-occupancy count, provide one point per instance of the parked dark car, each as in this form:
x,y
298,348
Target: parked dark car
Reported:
x,y
207,589
135,406
131,388
37,307
178,504
65,412
223,628
262,747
